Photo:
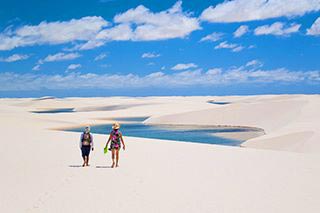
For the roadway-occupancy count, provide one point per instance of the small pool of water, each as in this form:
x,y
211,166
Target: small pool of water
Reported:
x,y
59,110
219,102
172,132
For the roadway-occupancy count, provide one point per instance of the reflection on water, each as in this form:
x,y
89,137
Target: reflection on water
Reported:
x,y
187,133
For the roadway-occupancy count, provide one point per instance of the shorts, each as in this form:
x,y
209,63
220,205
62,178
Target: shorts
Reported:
x,y
85,150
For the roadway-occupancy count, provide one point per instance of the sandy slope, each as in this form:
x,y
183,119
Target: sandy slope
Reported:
x,y
41,174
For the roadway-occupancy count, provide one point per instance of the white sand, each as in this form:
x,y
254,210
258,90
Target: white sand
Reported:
x,y
243,136
40,172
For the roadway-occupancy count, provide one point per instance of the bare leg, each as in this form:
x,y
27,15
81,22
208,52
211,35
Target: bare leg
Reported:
x,y
85,160
113,154
117,157
88,160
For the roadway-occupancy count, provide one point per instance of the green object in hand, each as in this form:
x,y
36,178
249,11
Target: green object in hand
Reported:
x,y
105,150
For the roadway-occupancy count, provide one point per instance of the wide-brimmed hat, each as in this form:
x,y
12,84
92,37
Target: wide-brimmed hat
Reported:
x,y
115,125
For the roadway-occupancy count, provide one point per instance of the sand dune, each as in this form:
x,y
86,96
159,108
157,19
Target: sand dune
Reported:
x,y
281,117
41,173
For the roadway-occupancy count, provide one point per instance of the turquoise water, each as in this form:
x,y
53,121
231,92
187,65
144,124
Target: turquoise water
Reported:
x,y
172,132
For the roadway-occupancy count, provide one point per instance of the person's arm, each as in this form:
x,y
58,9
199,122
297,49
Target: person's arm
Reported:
x,y
123,145
109,139
91,136
81,138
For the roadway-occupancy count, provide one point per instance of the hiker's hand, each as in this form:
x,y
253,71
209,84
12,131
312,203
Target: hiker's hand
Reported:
x,y
124,147
92,148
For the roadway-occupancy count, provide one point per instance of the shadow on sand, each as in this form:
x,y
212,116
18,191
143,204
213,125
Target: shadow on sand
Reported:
x,y
97,167
103,167
75,166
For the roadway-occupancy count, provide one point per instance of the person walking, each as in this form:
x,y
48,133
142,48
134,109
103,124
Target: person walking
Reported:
x,y
116,139
86,144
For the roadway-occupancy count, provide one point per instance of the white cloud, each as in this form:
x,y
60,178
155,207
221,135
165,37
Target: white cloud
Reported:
x,y
314,30
243,29
150,55
212,77
249,10
254,63
83,29
277,28
136,24
184,66
141,24
212,37
237,49
226,45
60,57
56,57
171,23
73,67
100,56
36,67
14,57
122,32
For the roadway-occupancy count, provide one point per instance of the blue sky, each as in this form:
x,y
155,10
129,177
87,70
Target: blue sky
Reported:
x,y
139,48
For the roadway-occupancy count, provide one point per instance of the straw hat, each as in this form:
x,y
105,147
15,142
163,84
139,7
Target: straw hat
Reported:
x,y
116,125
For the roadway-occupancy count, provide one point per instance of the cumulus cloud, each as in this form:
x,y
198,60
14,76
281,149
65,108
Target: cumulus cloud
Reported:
x,y
212,37
211,77
83,29
56,57
14,57
171,23
254,63
243,29
226,45
184,66
73,67
36,67
100,56
249,10
136,24
150,55
314,30
121,32
60,57
141,24
277,28
237,49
